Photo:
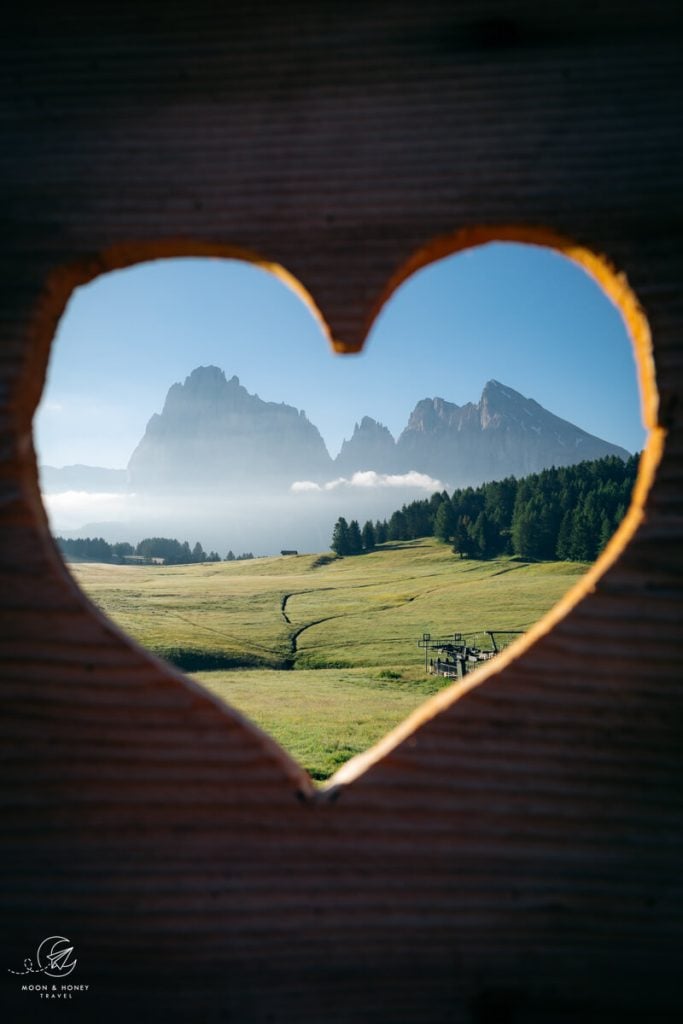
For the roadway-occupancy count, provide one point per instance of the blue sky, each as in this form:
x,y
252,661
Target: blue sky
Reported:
x,y
523,315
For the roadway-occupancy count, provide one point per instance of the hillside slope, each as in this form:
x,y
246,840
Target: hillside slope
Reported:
x,y
286,612
345,631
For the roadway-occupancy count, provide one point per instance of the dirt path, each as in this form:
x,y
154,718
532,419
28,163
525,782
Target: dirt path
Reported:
x,y
294,638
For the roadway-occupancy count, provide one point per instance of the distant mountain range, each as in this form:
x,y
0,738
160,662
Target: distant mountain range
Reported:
x,y
213,435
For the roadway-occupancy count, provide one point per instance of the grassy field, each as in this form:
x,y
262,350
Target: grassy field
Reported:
x,y
322,717
323,656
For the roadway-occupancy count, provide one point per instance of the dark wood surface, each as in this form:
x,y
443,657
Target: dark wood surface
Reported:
x,y
514,855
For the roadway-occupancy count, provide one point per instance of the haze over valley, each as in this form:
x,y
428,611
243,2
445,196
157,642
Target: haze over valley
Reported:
x,y
220,464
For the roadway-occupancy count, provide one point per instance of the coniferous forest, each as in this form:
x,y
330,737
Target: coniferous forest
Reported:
x,y
166,549
565,514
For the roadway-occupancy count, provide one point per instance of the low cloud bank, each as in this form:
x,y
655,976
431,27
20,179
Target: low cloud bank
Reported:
x,y
68,509
369,479
301,517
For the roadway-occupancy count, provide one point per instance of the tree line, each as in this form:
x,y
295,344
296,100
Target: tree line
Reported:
x,y
565,514
173,552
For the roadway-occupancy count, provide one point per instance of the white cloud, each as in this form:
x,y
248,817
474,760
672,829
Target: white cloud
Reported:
x,y
301,486
369,479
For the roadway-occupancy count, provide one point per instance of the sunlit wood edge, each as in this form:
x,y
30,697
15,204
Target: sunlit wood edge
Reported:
x,y
64,280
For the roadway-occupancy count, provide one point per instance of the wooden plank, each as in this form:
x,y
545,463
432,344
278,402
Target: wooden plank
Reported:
x,y
510,855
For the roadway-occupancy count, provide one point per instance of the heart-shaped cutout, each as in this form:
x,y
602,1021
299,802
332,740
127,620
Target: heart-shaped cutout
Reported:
x,y
345,631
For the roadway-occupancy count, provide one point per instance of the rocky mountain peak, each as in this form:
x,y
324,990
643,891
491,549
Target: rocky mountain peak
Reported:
x,y
370,427
202,375
504,434
497,401
430,414
212,433
372,445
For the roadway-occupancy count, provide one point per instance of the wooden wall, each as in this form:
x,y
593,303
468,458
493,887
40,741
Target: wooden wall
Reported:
x,y
511,856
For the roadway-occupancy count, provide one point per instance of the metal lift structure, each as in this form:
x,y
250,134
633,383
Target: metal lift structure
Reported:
x,y
457,655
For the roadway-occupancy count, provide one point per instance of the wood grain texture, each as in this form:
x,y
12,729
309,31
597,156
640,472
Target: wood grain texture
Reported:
x,y
516,855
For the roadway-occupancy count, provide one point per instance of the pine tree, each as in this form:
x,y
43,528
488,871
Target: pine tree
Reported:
x,y
397,526
445,522
436,499
523,530
480,534
381,531
340,538
355,539
462,541
368,536
564,537
419,519
606,531
534,534
583,541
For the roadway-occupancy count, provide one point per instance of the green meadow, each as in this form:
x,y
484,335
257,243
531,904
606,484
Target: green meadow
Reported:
x,y
322,651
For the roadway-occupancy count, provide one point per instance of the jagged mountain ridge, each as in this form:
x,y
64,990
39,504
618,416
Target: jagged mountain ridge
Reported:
x,y
504,434
371,446
212,434
212,431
